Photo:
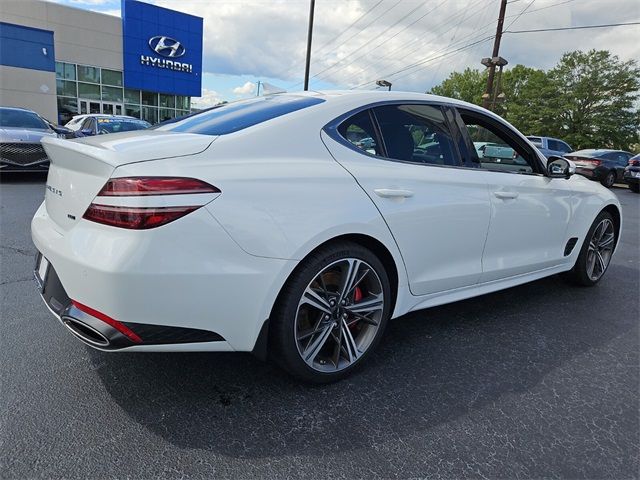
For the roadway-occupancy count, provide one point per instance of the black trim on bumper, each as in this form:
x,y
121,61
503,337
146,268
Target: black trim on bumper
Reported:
x,y
100,334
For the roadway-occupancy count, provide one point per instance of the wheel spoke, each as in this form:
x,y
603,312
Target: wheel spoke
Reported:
x,y
350,346
363,318
601,263
310,297
607,242
591,263
349,277
372,304
311,352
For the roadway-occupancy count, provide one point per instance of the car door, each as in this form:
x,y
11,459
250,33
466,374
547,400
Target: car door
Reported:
x,y
618,161
530,212
437,212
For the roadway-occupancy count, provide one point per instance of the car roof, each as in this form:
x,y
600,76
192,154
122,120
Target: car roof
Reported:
x,y
19,109
106,115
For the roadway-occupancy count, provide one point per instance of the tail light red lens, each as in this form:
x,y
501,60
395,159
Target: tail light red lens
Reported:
x,y
634,163
137,217
137,186
123,329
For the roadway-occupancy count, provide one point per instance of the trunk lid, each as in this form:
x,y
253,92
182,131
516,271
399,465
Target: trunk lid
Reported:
x,y
80,168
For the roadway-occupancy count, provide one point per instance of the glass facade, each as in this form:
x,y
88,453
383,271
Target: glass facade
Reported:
x,y
104,87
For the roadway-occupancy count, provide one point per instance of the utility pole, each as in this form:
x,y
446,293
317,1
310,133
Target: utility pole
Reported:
x,y
486,98
309,35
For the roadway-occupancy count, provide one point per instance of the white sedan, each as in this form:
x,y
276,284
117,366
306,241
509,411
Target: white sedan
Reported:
x,y
268,225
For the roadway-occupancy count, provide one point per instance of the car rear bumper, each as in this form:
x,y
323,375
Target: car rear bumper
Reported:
x,y
597,173
632,177
185,286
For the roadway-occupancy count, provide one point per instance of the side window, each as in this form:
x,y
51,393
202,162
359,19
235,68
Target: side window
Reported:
x,y
416,133
359,131
496,151
565,148
87,123
554,145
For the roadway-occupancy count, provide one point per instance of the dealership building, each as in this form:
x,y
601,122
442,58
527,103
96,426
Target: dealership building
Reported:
x,y
62,61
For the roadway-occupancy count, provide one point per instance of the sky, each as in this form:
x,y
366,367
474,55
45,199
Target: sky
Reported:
x,y
414,44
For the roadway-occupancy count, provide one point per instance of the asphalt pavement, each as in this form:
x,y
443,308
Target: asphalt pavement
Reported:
x,y
538,381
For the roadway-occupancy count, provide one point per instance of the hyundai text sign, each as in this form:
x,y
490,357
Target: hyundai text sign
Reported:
x,y
162,49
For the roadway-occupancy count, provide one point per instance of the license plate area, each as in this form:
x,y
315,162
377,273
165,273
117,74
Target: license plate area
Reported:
x,y
41,270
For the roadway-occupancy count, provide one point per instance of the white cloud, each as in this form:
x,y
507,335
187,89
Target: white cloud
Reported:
x,y
209,98
268,38
247,89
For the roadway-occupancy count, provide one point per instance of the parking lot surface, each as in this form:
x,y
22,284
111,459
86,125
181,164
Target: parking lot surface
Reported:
x,y
540,380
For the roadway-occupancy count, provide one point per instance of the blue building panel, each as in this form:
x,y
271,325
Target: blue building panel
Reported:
x,y
162,49
27,47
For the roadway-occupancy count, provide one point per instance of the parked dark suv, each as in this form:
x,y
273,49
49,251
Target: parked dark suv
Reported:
x,y
604,166
632,174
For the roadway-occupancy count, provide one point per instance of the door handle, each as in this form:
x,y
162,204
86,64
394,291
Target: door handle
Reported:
x,y
393,193
506,195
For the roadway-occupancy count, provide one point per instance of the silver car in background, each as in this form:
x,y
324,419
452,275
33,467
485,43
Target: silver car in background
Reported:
x,y
20,133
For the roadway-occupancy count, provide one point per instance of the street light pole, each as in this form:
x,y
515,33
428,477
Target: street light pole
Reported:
x,y
309,36
486,98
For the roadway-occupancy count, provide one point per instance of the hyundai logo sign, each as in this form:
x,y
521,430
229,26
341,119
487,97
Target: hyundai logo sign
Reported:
x,y
167,46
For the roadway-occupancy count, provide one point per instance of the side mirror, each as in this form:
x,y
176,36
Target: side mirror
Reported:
x,y
560,167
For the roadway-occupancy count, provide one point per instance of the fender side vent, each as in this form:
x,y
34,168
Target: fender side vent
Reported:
x,y
570,244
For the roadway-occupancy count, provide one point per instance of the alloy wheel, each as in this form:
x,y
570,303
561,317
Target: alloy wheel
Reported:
x,y
600,249
339,315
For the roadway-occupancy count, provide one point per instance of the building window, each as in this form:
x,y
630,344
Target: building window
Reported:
x,y
150,114
112,94
150,98
167,101
67,108
167,114
66,71
132,110
86,90
66,88
111,77
131,96
88,74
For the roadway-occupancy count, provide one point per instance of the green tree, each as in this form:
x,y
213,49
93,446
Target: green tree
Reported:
x,y
589,99
596,94
468,86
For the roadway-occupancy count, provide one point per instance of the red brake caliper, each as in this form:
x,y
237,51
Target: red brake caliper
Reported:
x,y
357,296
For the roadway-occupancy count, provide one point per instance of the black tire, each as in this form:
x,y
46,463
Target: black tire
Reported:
x,y
283,348
609,179
634,187
579,275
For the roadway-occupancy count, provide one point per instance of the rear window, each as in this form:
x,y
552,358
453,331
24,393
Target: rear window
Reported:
x,y
232,117
21,119
108,125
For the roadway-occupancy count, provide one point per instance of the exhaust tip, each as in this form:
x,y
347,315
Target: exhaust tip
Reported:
x,y
85,332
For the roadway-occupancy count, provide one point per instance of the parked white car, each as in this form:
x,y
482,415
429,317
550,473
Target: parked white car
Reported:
x,y
257,226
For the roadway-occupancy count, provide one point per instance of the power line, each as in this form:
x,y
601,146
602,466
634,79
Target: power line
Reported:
x,y
420,40
358,33
346,29
582,27
382,42
427,60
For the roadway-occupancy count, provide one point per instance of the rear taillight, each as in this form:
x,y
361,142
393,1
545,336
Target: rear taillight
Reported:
x,y
634,163
125,211
136,186
595,163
